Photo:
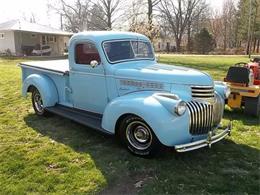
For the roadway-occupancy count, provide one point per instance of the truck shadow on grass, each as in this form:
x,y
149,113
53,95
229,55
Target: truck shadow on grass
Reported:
x,y
226,168
239,115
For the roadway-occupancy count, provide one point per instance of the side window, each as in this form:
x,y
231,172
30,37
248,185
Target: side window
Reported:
x,y
85,53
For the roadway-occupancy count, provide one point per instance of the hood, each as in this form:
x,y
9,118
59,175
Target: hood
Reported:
x,y
163,73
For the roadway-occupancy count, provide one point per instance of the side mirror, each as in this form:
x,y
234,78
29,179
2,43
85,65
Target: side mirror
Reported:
x,y
93,63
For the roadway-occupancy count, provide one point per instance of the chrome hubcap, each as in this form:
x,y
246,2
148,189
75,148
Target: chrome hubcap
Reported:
x,y
38,102
139,135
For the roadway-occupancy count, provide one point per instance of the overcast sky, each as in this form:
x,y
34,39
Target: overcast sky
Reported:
x,y
15,9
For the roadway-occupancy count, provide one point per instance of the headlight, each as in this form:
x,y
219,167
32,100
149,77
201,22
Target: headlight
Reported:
x,y
180,108
227,91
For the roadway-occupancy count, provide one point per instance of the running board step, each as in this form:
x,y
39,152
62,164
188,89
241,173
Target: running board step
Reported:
x,y
85,118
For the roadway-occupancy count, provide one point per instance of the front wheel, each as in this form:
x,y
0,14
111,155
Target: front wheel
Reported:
x,y
138,137
37,103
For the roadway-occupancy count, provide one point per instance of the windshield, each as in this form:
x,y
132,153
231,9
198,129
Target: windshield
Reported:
x,y
128,50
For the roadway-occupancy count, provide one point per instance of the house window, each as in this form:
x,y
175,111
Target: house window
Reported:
x,y
33,35
2,35
85,53
51,39
43,40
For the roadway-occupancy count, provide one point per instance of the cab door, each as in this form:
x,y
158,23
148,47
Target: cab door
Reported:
x,y
88,84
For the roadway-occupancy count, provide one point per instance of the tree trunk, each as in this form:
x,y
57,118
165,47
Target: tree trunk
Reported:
x,y
150,17
189,37
225,37
150,11
178,44
109,23
254,45
258,44
109,15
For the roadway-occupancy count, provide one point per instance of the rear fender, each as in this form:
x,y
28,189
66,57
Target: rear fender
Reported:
x,y
45,86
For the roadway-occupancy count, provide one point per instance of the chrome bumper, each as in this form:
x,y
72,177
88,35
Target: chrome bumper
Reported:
x,y
211,139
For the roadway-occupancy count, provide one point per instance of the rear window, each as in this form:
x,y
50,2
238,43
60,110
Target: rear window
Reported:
x,y
85,53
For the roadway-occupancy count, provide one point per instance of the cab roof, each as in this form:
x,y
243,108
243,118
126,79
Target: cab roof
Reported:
x,y
100,36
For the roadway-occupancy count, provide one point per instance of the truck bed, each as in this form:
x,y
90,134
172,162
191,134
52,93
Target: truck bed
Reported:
x,y
58,66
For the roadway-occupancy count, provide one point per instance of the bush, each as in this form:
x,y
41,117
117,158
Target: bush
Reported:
x,y
8,52
204,42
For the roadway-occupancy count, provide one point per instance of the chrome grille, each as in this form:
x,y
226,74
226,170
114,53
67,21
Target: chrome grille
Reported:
x,y
201,117
202,92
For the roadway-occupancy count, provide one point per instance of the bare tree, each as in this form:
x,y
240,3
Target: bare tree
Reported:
x,y
110,8
196,22
151,6
75,15
178,13
215,26
135,13
228,24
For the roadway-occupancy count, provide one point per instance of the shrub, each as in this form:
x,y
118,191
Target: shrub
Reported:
x,y
204,42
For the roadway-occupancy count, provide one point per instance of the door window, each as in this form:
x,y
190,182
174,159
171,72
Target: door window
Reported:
x,y
85,53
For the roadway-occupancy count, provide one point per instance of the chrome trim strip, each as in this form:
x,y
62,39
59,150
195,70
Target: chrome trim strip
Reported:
x,y
202,86
202,94
203,90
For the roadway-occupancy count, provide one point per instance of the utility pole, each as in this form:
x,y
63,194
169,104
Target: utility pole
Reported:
x,y
249,30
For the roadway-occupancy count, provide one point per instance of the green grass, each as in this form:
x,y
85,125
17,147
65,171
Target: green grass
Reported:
x,y
55,155
216,66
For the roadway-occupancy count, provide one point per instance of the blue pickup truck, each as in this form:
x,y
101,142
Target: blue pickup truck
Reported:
x,y
112,82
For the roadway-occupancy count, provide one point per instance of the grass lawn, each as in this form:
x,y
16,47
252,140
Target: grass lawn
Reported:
x,y
56,155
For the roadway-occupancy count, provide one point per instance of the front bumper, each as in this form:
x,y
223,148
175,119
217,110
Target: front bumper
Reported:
x,y
211,139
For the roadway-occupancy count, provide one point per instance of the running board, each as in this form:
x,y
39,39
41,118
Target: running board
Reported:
x,y
85,118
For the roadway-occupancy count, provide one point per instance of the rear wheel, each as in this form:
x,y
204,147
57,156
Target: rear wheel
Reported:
x,y
138,137
252,106
37,103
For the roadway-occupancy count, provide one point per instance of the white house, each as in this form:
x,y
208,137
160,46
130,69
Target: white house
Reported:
x,y
164,45
22,37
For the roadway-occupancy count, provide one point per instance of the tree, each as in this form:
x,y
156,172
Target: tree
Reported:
x,y
248,23
110,8
204,41
141,21
229,24
75,15
178,14
215,26
196,22
97,19
80,15
151,4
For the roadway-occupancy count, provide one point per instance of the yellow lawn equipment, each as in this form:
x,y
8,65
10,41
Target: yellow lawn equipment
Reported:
x,y
244,82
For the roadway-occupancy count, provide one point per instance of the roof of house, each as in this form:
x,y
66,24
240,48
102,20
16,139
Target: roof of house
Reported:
x,y
21,25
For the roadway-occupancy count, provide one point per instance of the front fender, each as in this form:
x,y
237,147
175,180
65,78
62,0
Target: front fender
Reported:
x,y
168,127
45,86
